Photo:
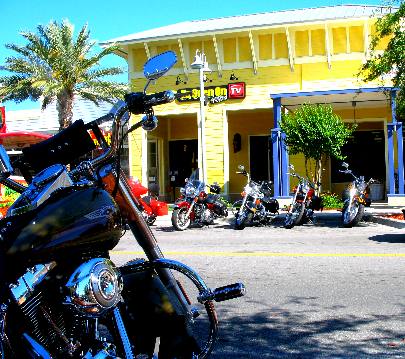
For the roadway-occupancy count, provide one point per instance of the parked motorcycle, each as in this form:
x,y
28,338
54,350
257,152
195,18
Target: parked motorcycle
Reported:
x,y
195,206
304,202
150,206
355,198
256,206
61,296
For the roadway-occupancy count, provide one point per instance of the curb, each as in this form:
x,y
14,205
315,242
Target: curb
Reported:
x,y
395,223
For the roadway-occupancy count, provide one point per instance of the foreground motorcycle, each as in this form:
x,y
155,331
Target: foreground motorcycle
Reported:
x,y
355,198
304,202
256,206
61,296
195,206
150,205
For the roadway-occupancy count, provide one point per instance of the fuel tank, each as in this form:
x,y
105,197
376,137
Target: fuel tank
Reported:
x,y
70,223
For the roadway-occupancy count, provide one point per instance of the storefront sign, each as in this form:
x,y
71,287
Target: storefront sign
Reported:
x,y
214,94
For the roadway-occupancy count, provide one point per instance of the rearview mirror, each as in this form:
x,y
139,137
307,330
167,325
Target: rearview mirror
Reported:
x,y
5,165
158,65
345,165
292,167
241,168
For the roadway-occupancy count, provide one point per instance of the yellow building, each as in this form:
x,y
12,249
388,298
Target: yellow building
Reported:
x,y
261,65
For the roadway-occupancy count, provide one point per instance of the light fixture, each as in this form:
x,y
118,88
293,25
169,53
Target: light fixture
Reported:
x,y
206,78
233,77
179,81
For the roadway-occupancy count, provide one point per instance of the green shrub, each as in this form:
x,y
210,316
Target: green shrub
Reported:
x,y
331,200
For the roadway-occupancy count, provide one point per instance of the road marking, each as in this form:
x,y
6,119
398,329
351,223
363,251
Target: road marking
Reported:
x,y
265,254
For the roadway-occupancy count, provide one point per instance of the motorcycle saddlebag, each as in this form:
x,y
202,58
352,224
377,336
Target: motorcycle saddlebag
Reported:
x,y
65,147
271,204
220,209
158,207
316,203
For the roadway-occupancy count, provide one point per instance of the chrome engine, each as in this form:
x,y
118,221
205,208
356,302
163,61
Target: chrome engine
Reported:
x,y
94,287
60,317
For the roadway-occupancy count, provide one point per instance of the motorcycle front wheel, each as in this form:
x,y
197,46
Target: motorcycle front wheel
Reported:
x,y
180,220
242,218
294,217
352,214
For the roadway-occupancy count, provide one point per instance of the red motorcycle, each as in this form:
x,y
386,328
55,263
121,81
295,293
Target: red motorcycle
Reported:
x,y
150,206
195,206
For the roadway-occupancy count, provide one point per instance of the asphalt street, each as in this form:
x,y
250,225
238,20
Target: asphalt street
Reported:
x,y
315,291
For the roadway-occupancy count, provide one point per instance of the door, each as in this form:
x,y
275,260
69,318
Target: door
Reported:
x,y
153,163
260,159
365,154
183,160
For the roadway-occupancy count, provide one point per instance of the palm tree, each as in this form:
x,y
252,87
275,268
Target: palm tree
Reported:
x,y
54,66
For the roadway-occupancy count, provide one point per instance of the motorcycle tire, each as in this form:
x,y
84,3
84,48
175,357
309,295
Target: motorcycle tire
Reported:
x,y
294,217
241,219
352,214
236,207
179,222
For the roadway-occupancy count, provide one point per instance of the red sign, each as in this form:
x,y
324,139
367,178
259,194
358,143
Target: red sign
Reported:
x,y
236,90
2,120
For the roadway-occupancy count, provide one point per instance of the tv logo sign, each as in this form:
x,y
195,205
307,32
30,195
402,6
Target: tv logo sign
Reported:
x,y
236,90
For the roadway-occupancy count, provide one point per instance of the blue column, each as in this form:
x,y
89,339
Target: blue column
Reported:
x,y
285,178
275,132
276,112
400,149
275,137
400,144
391,171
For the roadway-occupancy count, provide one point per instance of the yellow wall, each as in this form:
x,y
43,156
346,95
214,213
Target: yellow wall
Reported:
x,y
254,122
275,74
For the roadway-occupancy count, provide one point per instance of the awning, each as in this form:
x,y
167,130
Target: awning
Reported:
x,y
339,99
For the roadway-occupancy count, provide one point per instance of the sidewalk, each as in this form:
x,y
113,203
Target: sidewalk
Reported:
x,y
375,213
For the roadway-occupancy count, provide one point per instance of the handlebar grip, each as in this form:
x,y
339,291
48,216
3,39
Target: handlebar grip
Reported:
x,y
138,102
230,291
159,98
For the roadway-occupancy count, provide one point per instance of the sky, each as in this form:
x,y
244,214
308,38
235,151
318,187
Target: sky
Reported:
x,y
110,19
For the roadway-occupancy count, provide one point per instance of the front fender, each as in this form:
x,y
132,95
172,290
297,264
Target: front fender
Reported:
x,y
181,204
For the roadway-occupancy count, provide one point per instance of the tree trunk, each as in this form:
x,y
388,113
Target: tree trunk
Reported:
x,y
64,105
318,177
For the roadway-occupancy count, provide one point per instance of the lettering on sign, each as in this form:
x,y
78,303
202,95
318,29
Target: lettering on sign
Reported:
x,y
214,94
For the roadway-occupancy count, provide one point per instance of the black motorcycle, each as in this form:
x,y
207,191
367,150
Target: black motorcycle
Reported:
x,y
304,202
355,197
61,296
256,206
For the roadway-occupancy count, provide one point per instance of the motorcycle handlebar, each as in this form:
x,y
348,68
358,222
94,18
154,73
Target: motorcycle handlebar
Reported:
x,y
138,102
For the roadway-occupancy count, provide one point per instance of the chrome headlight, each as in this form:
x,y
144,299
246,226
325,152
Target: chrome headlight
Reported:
x,y
190,191
95,286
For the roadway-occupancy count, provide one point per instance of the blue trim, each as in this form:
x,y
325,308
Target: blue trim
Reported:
x,y
332,92
276,164
394,106
400,149
391,170
276,112
285,178
395,195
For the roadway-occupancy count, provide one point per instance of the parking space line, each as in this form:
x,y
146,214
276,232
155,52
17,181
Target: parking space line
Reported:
x,y
264,254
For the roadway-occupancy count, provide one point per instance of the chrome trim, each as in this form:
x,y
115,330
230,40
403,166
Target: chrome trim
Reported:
x,y
123,334
94,287
24,288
